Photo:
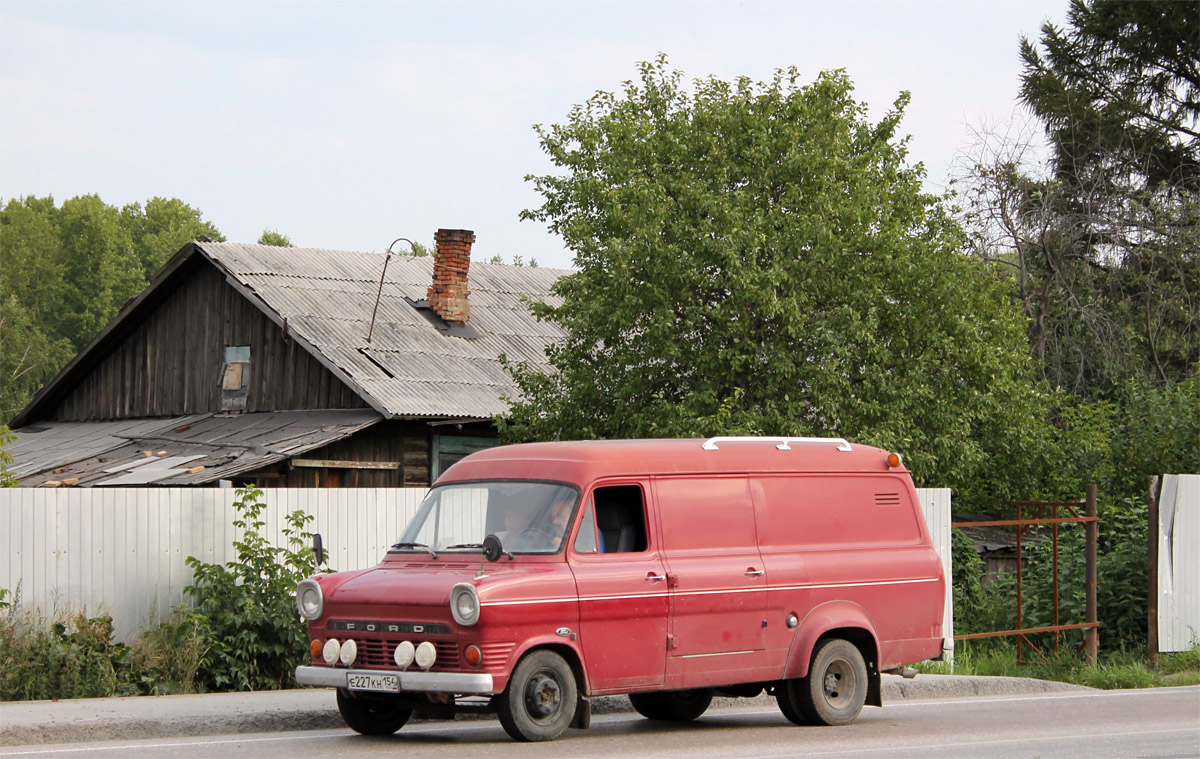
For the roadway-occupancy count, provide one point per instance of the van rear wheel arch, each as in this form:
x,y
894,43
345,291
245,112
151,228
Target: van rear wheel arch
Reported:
x,y
836,619
840,619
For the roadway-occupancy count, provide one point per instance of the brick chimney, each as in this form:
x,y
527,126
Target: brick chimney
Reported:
x,y
447,295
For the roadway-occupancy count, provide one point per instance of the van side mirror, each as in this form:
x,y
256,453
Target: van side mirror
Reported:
x,y
318,549
492,549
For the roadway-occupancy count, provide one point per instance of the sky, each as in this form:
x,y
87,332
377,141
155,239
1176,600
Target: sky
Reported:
x,y
347,125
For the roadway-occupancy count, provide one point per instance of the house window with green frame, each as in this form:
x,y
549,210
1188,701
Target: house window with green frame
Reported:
x,y
448,449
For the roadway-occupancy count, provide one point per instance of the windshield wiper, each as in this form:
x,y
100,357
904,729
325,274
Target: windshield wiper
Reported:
x,y
463,545
415,545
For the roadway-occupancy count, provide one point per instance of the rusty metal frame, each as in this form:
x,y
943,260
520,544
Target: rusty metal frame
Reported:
x,y
1090,521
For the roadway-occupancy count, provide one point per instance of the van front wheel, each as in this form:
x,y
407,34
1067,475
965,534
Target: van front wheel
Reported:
x,y
370,715
539,702
834,691
672,706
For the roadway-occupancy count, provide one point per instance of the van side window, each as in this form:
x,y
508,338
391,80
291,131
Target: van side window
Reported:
x,y
621,519
585,540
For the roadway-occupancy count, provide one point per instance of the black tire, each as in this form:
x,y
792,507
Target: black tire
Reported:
x,y
835,689
673,705
539,702
787,695
371,715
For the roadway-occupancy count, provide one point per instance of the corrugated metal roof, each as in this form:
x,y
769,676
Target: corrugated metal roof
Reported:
x,y
186,450
50,445
410,367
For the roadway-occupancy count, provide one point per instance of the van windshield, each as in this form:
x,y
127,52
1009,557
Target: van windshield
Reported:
x,y
528,517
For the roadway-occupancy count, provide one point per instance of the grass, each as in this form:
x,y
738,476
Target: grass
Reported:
x,y
69,654
1116,669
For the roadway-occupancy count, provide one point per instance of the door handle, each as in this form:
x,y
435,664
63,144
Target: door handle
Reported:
x,y
752,572
655,578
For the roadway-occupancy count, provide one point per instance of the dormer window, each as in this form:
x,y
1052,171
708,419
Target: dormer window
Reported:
x,y
235,378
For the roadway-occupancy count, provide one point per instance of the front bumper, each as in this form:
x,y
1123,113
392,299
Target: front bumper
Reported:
x,y
410,682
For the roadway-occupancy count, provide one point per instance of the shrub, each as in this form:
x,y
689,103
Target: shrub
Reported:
x,y
168,656
66,655
246,607
979,607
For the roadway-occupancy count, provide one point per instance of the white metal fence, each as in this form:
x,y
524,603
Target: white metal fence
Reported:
x,y
935,503
1179,562
121,551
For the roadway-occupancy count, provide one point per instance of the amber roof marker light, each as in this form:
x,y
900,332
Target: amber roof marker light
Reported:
x,y
894,460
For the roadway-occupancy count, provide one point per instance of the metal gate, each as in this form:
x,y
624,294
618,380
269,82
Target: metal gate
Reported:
x,y
1047,513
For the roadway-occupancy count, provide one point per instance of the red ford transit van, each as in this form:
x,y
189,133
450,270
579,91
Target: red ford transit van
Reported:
x,y
534,577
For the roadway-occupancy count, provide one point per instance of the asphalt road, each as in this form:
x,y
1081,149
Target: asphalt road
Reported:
x,y
1162,723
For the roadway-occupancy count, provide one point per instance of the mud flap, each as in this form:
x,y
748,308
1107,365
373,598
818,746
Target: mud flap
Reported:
x,y
583,714
874,688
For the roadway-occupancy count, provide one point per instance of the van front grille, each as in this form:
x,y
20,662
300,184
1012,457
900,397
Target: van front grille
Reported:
x,y
377,654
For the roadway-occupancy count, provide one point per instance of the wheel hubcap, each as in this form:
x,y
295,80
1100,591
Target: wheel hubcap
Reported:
x,y
543,696
838,683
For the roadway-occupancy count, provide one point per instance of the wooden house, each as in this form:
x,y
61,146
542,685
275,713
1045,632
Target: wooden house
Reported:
x,y
290,367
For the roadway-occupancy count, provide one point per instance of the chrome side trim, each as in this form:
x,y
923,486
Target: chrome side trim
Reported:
x,y
432,682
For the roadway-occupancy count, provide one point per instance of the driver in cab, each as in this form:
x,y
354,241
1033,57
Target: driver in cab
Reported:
x,y
520,532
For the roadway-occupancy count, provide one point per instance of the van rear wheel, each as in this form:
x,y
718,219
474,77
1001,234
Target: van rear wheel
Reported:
x,y
672,706
539,702
834,691
787,695
371,715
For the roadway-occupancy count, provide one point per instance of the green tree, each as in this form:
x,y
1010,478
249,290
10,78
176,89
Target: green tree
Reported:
x,y
1120,88
100,268
162,228
759,258
67,271
1106,238
417,250
7,480
274,237
28,356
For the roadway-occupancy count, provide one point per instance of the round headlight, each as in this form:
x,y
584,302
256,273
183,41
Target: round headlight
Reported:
x,y
332,651
464,604
426,655
309,600
404,654
349,652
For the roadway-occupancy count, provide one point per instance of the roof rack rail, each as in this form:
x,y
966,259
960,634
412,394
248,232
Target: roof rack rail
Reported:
x,y
781,442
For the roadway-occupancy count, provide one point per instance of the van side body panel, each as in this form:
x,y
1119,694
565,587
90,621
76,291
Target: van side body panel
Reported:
x,y
857,538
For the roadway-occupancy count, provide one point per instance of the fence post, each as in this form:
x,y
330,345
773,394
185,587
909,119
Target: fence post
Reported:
x,y
1152,570
1092,531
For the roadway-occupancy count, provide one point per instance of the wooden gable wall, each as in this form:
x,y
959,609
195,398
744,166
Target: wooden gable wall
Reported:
x,y
173,361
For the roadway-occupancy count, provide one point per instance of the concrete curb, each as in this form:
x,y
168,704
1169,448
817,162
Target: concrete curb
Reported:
x,y
99,719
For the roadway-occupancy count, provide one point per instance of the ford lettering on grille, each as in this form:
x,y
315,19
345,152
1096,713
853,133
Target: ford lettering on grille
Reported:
x,y
415,628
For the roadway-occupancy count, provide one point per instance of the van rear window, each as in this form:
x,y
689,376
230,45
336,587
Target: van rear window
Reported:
x,y
819,511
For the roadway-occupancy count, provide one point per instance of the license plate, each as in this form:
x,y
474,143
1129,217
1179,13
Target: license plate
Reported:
x,y
380,683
